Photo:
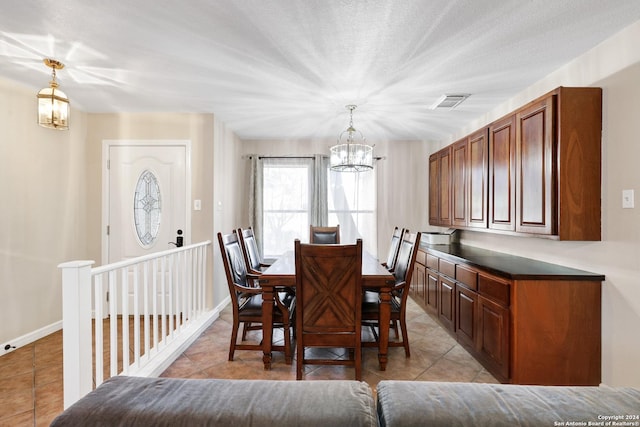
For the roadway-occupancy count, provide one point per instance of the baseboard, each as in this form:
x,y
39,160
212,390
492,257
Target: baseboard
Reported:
x,y
29,338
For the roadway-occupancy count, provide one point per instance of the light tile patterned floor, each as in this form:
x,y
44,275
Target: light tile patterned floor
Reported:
x,y
31,377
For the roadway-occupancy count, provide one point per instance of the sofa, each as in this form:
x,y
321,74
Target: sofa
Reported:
x,y
422,403
131,401
136,401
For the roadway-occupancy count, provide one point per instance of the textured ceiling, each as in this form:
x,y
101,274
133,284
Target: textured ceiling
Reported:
x,y
286,68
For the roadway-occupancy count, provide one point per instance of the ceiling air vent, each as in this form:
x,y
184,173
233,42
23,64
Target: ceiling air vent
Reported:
x,y
449,102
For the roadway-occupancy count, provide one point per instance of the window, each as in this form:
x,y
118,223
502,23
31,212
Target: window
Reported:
x,y
352,204
286,203
147,211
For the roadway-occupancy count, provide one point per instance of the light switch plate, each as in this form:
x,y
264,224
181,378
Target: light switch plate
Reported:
x,y
197,205
627,199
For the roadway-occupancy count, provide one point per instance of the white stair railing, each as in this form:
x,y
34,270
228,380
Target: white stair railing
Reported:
x,y
135,315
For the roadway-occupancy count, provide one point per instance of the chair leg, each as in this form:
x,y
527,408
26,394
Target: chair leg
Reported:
x,y
405,337
299,362
244,330
288,353
358,363
234,337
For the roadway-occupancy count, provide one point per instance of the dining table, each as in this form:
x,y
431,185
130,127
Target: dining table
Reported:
x,y
282,274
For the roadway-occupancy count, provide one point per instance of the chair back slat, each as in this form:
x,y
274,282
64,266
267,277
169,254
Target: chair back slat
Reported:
x,y
392,256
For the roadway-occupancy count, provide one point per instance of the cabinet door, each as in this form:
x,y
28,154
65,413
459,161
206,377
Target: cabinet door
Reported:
x,y
502,157
493,336
419,278
431,297
536,176
466,313
446,300
477,172
459,183
444,205
440,188
434,190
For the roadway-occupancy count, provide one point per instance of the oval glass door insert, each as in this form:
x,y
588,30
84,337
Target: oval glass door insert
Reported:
x,y
147,208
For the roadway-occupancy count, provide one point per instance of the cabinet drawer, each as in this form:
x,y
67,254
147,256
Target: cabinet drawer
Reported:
x,y
494,289
467,277
447,268
432,262
421,257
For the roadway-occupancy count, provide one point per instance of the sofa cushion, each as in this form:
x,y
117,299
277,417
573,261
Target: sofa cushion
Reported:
x,y
132,401
422,403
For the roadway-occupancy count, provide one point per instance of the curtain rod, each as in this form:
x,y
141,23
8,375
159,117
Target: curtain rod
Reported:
x,y
249,157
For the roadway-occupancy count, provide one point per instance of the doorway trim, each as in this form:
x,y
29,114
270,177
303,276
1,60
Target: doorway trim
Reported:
x,y
106,145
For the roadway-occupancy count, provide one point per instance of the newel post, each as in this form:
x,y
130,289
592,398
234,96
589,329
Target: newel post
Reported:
x,y
76,330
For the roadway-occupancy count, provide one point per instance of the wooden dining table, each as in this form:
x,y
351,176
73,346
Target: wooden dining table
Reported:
x,y
282,273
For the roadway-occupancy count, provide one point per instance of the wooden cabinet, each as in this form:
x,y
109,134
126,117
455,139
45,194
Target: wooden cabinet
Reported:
x,y
431,295
493,337
440,188
459,183
431,291
419,278
525,328
446,302
466,314
502,170
493,324
478,180
537,171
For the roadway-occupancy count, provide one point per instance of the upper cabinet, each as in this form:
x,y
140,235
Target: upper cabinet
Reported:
x,y
477,188
440,188
502,173
536,171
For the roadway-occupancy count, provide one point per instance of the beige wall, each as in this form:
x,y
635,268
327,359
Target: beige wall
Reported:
x,y
43,212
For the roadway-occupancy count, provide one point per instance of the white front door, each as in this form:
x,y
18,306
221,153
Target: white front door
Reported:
x,y
147,201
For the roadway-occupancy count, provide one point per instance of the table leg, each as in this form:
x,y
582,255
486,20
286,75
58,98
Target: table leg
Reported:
x,y
385,320
267,325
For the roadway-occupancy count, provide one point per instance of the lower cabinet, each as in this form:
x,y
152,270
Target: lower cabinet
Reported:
x,y
523,331
466,314
493,336
446,300
431,293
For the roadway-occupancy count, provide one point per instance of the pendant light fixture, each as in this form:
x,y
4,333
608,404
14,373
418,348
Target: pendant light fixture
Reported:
x,y
53,104
351,153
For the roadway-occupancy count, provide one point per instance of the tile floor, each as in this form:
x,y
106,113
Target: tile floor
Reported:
x,y
31,377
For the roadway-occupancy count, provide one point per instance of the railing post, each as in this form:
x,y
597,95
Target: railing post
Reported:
x,y
76,330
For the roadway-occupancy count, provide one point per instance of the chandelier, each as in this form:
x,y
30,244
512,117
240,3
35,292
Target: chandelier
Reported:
x,y
53,104
351,153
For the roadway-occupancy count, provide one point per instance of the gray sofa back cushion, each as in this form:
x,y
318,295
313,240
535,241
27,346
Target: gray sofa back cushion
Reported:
x,y
417,403
129,401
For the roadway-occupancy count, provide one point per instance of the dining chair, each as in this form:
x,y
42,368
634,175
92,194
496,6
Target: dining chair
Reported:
x,y
328,297
324,235
371,300
392,256
246,300
250,251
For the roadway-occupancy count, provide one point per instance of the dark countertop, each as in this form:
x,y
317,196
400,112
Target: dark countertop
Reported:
x,y
509,266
